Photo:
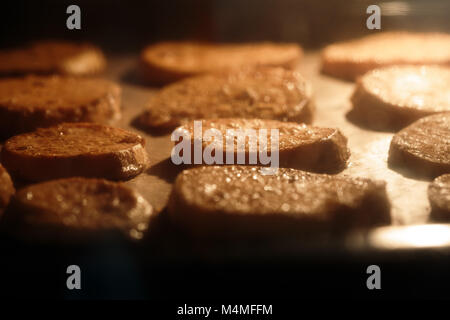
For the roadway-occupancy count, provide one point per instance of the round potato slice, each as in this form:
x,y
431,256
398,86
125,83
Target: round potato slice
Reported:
x,y
77,209
299,146
392,98
171,61
266,93
351,59
48,57
423,148
75,149
234,201
35,102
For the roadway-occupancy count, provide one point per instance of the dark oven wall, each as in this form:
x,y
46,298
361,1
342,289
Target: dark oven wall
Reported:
x,y
129,25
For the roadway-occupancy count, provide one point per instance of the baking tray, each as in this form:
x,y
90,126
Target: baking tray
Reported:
x,y
369,149
176,266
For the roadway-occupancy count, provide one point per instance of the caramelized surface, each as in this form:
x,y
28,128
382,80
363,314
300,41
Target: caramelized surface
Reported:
x,y
72,139
427,139
52,93
244,190
290,134
266,93
299,146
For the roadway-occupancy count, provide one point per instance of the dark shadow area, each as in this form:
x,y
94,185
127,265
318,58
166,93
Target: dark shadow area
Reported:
x,y
352,117
334,77
124,27
407,173
108,270
166,170
159,227
137,123
130,271
133,77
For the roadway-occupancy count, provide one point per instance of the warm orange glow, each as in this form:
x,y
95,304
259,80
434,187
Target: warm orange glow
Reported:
x,y
417,236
